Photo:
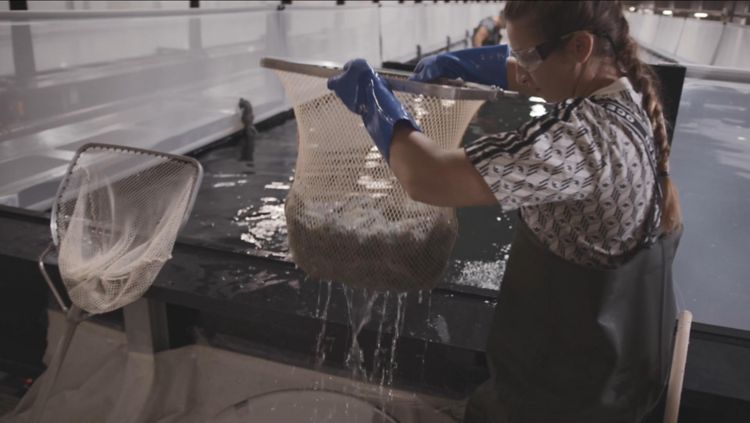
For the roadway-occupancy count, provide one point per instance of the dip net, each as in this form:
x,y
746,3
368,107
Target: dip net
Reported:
x,y
348,218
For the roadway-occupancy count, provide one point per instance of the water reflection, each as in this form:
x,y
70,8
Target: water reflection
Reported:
x,y
241,203
480,274
278,185
537,110
229,184
266,224
503,115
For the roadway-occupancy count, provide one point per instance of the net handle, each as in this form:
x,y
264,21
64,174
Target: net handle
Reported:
x,y
47,279
66,179
446,89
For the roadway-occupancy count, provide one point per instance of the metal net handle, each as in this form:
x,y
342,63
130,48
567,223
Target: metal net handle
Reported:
x,y
446,89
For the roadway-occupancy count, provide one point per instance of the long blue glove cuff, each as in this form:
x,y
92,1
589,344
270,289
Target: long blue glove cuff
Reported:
x,y
482,65
384,111
364,92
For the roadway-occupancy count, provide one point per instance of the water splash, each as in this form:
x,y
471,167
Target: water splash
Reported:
x,y
482,273
398,326
363,307
426,342
322,314
379,354
317,302
266,225
359,304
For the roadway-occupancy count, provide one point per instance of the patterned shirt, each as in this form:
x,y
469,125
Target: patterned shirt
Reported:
x,y
582,175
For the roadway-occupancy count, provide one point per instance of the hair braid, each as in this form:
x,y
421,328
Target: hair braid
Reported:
x,y
644,80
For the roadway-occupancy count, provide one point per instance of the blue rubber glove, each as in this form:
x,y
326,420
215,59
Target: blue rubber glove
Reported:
x,y
365,93
482,65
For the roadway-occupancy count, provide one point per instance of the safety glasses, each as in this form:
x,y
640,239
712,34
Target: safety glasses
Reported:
x,y
531,58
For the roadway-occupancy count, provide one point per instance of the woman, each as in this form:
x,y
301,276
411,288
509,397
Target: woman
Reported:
x,y
489,31
584,320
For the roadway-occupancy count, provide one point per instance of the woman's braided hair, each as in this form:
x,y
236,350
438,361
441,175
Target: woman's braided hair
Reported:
x,y
606,20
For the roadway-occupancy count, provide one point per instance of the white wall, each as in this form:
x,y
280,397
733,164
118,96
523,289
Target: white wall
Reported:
x,y
65,43
700,41
305,30
312,30
643,27
228,4
399,31
668,34
693,41
336,33
88,48
56,5
735,46
6,50
427,24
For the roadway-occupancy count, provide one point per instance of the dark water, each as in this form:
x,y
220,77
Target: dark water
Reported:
x,y
711,166
240,206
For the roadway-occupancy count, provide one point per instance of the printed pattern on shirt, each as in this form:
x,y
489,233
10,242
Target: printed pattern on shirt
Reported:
x,y
582,176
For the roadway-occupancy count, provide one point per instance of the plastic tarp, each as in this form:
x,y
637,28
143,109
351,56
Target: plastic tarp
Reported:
x,y
102,381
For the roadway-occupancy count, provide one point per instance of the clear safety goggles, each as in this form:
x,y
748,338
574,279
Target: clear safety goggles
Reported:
x,y
530,59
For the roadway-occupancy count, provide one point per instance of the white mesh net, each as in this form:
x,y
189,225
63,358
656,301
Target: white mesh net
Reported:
x,y
348,218
117,216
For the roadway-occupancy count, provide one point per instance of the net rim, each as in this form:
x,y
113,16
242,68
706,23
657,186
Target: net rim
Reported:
x,y
445,89
102,146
